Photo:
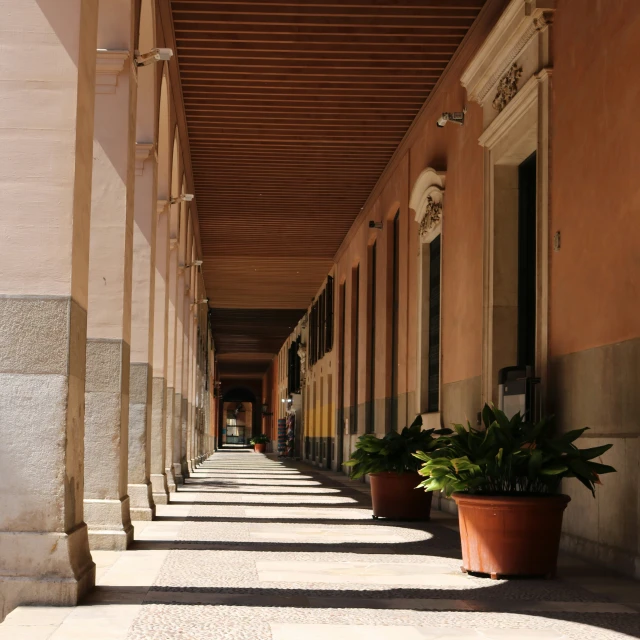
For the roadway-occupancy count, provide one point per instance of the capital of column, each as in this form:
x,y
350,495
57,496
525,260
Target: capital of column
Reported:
x,y
109,65
143,151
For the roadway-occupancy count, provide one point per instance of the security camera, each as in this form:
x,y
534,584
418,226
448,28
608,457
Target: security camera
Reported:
x,y
375,225
185,197
155,55
457,117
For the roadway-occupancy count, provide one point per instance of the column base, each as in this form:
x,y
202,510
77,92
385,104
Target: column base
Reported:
x,y
109,524
46,569
177,473
142,505
171,481
159,488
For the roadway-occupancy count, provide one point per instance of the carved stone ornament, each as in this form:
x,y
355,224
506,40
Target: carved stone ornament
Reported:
x,y
507,87
432,216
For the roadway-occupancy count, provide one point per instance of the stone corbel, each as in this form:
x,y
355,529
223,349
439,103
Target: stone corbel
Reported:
x,y
161,207
427,200
173,243
143,151
109,65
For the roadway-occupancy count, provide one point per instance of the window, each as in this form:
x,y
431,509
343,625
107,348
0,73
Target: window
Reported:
x,y
371,372
433,340
355,360
395,297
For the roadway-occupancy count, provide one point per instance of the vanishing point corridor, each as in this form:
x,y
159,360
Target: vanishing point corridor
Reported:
x,y
255,549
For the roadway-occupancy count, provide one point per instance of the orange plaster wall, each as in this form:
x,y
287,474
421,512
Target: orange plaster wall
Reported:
x,y
595,277
456,151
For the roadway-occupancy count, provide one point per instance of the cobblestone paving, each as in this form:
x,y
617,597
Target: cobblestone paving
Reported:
x,y
274,551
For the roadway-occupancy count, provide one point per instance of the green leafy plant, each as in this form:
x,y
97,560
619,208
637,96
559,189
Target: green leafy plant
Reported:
x,y
509,457
259,439
393,452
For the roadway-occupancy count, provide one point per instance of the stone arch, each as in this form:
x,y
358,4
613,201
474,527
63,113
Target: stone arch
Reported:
x,y
164,151
176,188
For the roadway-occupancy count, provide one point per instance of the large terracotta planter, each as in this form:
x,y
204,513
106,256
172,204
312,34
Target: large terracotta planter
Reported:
x,y
394,496
259,448
510,536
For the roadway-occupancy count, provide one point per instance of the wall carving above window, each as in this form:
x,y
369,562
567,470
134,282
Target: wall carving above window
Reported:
x,y
507,87
426,200
432,216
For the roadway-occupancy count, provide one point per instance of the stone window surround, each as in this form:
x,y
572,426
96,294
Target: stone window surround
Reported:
x,y
428,188
521,39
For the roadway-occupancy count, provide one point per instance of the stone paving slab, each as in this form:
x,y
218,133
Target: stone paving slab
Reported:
x,y
254,549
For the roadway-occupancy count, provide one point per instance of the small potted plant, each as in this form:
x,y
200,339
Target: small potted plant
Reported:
x,y
259,443
505,480
393,471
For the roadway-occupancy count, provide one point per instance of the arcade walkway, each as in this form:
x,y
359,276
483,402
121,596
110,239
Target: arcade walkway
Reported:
x,y
255,549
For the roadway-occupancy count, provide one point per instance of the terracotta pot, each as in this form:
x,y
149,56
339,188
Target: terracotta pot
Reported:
x,y
394,496
259,448
510,535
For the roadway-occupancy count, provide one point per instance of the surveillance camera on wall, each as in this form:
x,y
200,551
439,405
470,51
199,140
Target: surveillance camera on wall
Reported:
x,y
457,117
155,55
375,225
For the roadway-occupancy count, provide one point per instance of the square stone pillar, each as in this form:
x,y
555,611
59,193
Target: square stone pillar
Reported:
x,y
179,372
46,111
109,318
142,327
159,485
171,363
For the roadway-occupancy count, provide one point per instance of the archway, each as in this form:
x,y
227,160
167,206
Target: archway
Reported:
x,y
238,418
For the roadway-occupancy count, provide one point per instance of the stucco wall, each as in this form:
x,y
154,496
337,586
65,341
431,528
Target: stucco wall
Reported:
x,y
595,276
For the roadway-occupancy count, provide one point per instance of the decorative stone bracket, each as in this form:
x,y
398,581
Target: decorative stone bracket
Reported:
x,y
143,151
109,65
161,206
427,201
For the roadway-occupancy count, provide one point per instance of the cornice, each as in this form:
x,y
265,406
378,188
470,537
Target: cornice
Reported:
x,y
109,65
517,26
143,151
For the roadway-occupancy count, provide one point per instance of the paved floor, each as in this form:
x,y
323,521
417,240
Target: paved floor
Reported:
x,y
251,548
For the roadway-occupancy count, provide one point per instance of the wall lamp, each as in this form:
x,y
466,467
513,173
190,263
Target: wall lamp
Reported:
x,y
195,263
185,197
457,117
375,225
155,55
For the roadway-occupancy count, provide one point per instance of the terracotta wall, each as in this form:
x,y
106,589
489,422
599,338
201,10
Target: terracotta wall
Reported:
x,y
595,276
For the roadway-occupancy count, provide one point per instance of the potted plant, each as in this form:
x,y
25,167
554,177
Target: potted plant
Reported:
x,y
259,443
393,471
505,480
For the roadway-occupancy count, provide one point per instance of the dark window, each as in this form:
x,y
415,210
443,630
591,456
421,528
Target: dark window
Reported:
x,y
395,297
372,338
329,315
527,262
433,372
341,416
355,366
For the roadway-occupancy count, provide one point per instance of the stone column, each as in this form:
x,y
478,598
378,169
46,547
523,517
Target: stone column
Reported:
x,y
46,139
142,308
184,429
179,370
106,501
171,362
159,485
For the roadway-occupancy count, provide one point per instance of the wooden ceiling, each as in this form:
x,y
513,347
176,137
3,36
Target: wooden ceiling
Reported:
x,y
293,110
